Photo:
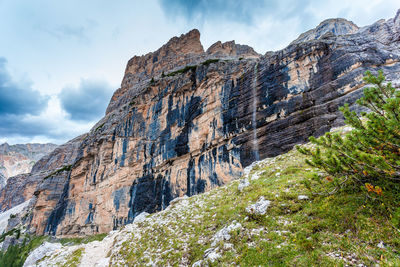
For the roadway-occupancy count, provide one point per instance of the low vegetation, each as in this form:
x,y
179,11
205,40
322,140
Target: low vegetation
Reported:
x,y
180,71
354,223
62,169
209,61
189,68
82,240
16,255
74,258
298,229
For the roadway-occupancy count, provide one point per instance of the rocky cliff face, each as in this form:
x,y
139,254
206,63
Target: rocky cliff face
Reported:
x,y
185,121
18,159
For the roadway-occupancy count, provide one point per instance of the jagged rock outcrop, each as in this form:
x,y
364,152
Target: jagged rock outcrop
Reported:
x,y
329,27
177,53
18,159
199,124
231,49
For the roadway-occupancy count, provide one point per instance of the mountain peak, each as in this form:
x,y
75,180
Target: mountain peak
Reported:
x,y
335,26
232,49
177,51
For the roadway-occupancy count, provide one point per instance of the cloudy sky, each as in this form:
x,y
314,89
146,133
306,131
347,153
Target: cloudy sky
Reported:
x,y
60,61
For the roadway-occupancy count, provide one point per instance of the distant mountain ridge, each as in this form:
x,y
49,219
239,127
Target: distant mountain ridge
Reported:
x,y
20,158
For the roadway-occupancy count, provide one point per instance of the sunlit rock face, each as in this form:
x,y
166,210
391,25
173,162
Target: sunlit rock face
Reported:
x,y
200,123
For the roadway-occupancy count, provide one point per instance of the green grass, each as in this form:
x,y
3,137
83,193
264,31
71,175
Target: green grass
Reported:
x,y
82,240
64,168
209,61
186,69
16,255
74,259
183,70
15,232
99,127
293,232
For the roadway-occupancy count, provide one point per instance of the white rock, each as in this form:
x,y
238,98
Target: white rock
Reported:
x,y
260,207
197,263
255,176
141,217
46,249
228,246
211,254
104,262
224,233
178,199
302,197
381,245
243,184
256,231
4,216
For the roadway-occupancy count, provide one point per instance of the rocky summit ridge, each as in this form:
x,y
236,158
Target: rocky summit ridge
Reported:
x,y
329,27
186,121
176,53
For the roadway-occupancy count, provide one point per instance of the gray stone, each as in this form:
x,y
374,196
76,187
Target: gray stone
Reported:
x,y
260,207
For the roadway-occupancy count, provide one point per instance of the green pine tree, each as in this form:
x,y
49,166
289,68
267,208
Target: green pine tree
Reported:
x,y
368,155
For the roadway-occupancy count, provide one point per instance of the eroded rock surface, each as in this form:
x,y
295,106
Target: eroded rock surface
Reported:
x,y
198,125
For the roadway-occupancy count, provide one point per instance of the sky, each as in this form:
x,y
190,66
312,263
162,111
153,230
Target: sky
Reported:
x,y
61,61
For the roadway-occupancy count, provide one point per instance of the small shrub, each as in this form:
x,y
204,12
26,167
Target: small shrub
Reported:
x,y
184,70
368,156
209,61
64,168
16,255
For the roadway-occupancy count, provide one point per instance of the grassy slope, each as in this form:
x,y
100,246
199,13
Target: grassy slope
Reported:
x,y
341,229
336,230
